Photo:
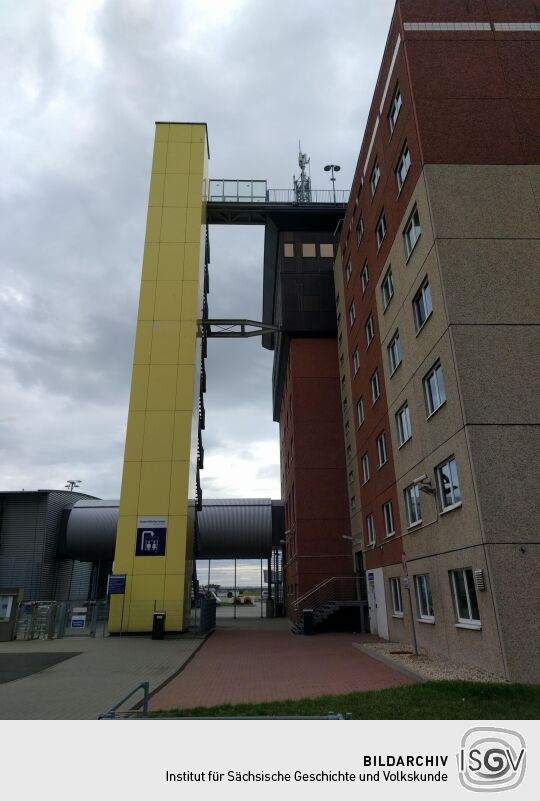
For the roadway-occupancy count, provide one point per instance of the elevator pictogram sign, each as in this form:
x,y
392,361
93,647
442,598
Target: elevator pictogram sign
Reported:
x,y
151,536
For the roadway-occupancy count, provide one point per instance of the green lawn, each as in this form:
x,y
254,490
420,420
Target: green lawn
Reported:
x,y
446,700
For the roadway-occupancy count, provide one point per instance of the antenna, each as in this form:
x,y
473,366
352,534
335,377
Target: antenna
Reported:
x,y
302,184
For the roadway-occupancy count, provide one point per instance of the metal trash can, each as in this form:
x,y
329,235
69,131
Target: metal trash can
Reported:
x,y
158,625
309,621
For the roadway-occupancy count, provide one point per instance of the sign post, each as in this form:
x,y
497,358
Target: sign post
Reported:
x,y
116,585
407,586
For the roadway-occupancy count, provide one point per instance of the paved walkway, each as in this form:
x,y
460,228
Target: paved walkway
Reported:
x,y
83,686
239,664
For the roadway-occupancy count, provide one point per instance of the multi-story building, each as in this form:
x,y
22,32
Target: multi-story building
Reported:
x,y
437,286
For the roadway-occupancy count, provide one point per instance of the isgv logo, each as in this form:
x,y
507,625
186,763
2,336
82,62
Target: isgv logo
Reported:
x,y
491,759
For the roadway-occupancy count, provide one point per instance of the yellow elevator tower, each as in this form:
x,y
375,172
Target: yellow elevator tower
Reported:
x,y
154,544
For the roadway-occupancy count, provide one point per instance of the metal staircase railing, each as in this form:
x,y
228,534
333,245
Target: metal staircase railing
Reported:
x,y
332,590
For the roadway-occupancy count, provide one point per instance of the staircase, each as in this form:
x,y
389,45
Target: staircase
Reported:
x,y
328,600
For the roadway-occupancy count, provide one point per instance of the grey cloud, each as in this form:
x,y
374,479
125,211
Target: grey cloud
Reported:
x,y
78,113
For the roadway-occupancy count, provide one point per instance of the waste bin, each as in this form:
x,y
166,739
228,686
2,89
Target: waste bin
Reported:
x,y
309,622
270,607
158,625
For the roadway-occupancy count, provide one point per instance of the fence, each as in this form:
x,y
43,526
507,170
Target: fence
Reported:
x,y
49,620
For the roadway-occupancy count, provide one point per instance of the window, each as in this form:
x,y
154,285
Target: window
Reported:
x,y
375,177
394,353
370,524
403,167
434,389
370,331
375,386
364,277
395,592
412,232
351,476
412,505
387,288
308,250
360,412
360,229
403,420
353,502
365,467
352,313
388,519
327,251
348,271
381,447
349,449
381,230
422,305
337,299
464,592
394,109
288,249
448,485
356,361
424,601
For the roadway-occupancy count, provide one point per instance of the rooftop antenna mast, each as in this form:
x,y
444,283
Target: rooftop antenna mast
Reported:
x,y
302,184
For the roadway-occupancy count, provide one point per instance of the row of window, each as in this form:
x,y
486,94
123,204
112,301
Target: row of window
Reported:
x,y
434,396
463,594
402,167
411,235
309,250
448,492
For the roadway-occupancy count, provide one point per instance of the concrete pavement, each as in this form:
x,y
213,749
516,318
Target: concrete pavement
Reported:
x,y
81,687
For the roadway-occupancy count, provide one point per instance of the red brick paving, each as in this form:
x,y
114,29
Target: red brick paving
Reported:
x,y
250,666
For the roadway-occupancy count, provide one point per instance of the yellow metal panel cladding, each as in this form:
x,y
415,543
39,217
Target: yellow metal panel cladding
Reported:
x,y
160,455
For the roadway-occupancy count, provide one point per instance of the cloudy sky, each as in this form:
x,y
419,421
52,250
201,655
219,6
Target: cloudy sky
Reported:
x,y
81,86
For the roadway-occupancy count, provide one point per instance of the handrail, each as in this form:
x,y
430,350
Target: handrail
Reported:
x,y
144,685
322,587
310,592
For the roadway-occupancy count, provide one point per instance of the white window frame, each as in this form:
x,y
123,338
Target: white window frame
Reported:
x,y
364,277
370,331
420,300
375,387
403,423
395,107
382,449
394,353
429,397
360,229
395,594
370,526
388,514
472,622
387,283
412,233
375,177
404,161
360,412
451,464
356,361
381,230
365,468
413,505
422,587
352,314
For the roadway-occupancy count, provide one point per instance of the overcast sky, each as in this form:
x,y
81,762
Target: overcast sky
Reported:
x,y
82,84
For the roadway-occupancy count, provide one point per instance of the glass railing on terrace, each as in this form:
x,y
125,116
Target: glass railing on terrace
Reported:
x,y
232,191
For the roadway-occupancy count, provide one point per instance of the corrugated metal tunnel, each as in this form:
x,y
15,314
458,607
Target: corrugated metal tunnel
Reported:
x,y
244,528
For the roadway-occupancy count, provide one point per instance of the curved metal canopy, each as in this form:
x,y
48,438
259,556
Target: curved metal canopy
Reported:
x,y
243,528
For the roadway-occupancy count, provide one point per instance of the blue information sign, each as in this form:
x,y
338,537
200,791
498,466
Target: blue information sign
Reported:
x,y
116,585
151,536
